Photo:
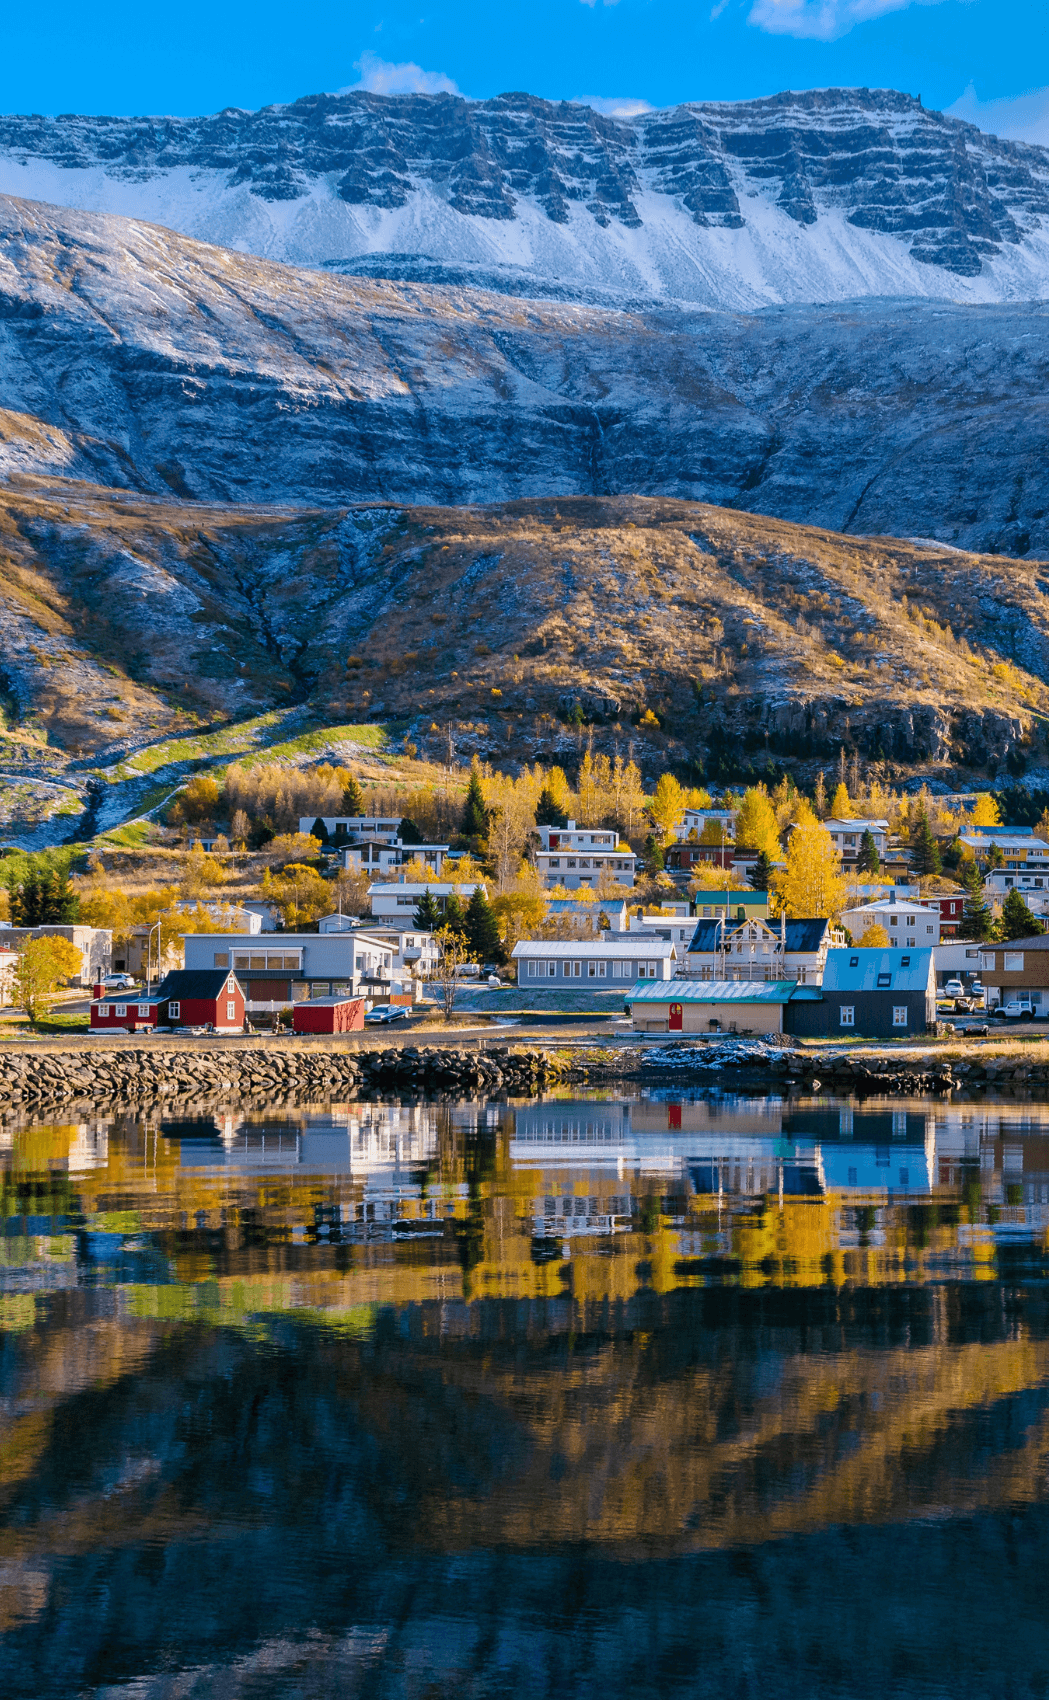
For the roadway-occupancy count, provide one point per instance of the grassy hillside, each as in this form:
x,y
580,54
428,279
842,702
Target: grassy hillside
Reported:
x,y
142,639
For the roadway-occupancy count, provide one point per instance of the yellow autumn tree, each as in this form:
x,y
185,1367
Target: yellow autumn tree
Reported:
x,y
985,814
756,827
812,882
874,937
667,806
840,803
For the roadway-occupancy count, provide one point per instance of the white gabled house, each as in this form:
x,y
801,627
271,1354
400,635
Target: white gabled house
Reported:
x,y
401,898
603,966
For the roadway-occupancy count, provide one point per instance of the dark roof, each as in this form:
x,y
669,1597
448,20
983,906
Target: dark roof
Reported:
x,y
194,983
1037,941
803,934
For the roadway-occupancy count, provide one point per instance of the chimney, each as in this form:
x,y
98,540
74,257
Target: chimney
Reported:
x,y
98,991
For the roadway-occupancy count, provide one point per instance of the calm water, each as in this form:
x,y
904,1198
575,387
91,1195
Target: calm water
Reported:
x,y
587,1397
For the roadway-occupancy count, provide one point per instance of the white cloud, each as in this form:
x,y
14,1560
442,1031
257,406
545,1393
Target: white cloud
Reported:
x,y
378,76
1022,118
822,20
614,106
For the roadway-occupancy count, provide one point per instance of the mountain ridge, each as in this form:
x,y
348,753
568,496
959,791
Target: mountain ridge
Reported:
x,y
812,196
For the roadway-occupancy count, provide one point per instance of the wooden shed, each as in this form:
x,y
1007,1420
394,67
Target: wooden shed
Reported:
x,y
328,1015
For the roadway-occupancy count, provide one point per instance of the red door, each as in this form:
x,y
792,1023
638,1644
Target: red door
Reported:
x,y
675,1018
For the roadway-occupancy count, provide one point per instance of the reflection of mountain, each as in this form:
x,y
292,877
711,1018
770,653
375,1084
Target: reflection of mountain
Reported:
x,y
447,1492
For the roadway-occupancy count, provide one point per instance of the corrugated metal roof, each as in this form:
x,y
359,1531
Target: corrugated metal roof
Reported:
x,y
192,983
860,970
711,991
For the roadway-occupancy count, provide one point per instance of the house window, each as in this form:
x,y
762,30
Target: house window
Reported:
x,y
912,941
103,1010
899,1015
143,1009
905,961
120,1010
174,1011
854,961
892,920
551,969
577,970
531,969
928,929
222,959
884,979
571,862
555,861
847,1015
231,1012
1014,962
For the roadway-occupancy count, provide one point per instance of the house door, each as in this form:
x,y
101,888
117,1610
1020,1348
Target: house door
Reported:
x,y
675,1018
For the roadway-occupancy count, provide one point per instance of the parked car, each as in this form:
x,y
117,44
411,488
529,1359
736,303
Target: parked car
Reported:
x,y
954,989
976,989
119,982
1013,1011
385,1013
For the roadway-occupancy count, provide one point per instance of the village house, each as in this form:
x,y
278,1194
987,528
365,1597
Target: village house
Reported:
x,y
195,998
573,857
328,1015
711,1006
743,905
847,836
909,925
291,967
341,829
1033,888
400,899
672,929
380,856
755,949
95,945
598,964
590,914
871,994
1022,850
1017,970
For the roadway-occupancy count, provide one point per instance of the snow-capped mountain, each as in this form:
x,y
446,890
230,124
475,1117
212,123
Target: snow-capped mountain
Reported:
x,y
816,197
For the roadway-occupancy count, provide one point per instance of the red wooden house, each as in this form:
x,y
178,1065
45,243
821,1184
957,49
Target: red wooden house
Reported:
x,y
207,997
328,1015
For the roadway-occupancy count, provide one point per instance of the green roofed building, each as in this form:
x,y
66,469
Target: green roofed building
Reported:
x,y
734,905
710,1006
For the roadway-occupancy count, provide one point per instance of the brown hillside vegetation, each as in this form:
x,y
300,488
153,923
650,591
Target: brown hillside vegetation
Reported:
x,y
693,633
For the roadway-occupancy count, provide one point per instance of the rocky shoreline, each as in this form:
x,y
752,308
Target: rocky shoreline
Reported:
x,y
140,1077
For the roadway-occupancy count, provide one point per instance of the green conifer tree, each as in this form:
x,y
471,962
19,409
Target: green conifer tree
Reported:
x,y
1017,920
482,929
761,874
353,799
475,814
428,915
319,831
454,917
547,812
977,921
868,861
925,852
408,832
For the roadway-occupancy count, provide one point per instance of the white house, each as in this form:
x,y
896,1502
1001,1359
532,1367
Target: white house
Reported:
x,y
372,855
341,828
396,901
908,925
414,952
672,929
1033,888
750,948
848,836
577,856
602,965
694,820
277,971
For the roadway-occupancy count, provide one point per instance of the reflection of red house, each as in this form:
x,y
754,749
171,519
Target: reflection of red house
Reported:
x,y
328,1015
187,998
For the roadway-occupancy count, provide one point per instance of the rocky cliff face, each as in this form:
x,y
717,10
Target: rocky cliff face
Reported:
x,y
147,361
817,196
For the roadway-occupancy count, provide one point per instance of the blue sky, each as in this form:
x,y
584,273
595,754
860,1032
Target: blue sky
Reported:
x,y
987,58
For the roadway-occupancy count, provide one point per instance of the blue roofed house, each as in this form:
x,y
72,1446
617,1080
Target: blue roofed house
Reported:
x,y
871,994
746,947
